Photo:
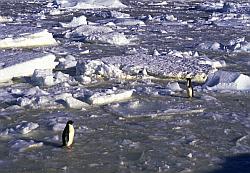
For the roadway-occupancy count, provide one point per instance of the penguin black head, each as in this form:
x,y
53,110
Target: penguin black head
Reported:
x,y
70,122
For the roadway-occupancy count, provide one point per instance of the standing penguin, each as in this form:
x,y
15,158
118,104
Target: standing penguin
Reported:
x,y
68,134
190,90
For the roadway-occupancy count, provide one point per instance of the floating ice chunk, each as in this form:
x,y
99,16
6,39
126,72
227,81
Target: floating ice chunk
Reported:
x,y
23,128
42,38
103,34
35,91
129,22
24,101
4,19
156,53
117,14
84,79
97,67
222,80
70,102
43,77
76,21
168,66
24,64
220,6
68,62
113,38
23,145
26,127
73,103
213,63
106,98
174,86
90,4
58,127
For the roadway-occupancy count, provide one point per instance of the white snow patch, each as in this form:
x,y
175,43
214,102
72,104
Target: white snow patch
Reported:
x,y
16,68
42,38
223,80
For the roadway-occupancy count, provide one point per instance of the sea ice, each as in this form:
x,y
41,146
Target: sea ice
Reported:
x,y
19,64
70,102
223,80
76,21
65,63
23,128
23,145
26,127
90,4
41,38
45,77
4,19
167,66
93,68
102,34
109,96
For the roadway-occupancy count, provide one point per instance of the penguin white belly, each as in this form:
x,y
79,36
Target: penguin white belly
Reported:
x,y
190,92
71,135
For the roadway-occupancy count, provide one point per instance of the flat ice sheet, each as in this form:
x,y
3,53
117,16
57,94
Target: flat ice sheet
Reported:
x,y
167,66
22,37
20,63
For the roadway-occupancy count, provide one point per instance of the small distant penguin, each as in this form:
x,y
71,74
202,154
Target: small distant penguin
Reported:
x,y
68,134
190,90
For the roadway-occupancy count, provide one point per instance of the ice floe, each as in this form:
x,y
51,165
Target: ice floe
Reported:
x,y
4,19
76,21
24,40
23,145
45,77
70,102
65,63
109,96
19,64
234,45
102,34
90,4
223,80
22,128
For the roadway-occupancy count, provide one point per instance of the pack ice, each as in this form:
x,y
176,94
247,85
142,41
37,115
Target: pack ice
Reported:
x,y
23,37
223,80
19,63
90,4
103,34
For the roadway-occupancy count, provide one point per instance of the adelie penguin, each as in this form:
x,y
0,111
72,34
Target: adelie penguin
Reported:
x,y
68,134
190,90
